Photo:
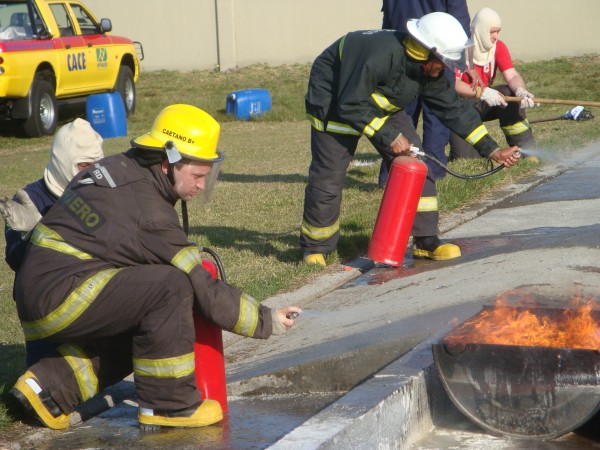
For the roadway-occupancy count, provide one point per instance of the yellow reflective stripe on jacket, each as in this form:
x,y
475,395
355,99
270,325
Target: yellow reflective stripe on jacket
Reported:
x,y
341,46
320,233
316,123
248,318
186,259
82,368
174,367
476,135
384,103
43,236
516,128
374,126
73,307
341,128
427,204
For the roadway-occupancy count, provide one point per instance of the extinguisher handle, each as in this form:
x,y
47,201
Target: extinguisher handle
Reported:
x,y
416,151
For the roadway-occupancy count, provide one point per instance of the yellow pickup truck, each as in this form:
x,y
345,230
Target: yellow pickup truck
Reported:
x,y
54,52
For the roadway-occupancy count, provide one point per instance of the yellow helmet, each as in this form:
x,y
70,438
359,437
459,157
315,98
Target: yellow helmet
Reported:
x,y
184,130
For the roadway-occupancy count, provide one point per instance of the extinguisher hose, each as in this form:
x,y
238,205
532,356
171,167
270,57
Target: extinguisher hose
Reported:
x,y
218,262
460,175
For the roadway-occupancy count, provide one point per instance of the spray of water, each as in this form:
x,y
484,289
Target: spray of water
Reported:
x,y
544,155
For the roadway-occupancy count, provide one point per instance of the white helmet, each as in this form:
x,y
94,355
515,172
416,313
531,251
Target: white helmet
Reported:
x,y
443,35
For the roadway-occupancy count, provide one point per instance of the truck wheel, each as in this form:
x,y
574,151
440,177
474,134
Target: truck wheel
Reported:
x,y
44,110
126,87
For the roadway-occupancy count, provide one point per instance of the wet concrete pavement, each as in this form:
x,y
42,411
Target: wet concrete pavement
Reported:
x,y
356,371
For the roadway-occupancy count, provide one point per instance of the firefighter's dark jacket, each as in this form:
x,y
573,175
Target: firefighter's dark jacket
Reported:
x,y
365,76
120,214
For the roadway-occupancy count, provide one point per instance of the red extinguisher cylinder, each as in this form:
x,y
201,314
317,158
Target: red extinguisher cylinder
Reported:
x,y
208,354
397,211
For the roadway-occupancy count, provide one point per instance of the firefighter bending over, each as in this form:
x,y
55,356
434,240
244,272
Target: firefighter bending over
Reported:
x,y
111,275
359,86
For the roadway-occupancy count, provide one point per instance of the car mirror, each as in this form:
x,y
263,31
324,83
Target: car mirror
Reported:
x,y
105,26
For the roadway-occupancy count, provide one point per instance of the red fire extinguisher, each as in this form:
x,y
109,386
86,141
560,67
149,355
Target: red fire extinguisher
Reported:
x,y
208,354
397,211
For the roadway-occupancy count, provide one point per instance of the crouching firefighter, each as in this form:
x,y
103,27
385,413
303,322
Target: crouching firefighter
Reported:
x,y
111,275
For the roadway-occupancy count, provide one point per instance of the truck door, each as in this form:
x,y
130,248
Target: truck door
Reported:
x,y
99,67
73,55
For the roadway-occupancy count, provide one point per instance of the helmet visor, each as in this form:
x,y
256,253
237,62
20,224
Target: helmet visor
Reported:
x,y
460,58
211,181
196,180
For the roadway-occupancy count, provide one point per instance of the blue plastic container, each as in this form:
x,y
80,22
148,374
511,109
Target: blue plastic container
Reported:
x,y
106,113
247,103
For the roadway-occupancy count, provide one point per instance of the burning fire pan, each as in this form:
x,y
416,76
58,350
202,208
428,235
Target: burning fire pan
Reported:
x,y
520,391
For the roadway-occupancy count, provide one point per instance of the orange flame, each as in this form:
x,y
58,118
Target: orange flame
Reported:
x,y
525,326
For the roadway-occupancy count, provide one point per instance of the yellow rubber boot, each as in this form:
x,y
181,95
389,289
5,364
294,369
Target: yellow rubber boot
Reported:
x,y
315,259
433,248
30,394
207,413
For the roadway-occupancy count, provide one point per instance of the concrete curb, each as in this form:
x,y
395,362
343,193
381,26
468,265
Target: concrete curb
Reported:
x,y
393,409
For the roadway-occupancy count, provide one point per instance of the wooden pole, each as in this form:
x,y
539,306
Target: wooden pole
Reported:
x,y
554,101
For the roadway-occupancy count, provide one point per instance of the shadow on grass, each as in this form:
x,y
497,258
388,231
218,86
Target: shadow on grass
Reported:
x,y
67,113
267,178
352,181
12,367
352,243
259,243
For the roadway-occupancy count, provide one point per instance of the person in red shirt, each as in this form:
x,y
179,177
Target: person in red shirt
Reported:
x,y
490,56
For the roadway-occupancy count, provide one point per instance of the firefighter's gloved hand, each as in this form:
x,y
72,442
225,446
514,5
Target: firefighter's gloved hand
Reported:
x,y
281,319
20,214
508,156
527,98
400,146
492,97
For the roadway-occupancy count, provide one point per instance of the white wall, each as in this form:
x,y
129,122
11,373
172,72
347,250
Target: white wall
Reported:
x,y
181,34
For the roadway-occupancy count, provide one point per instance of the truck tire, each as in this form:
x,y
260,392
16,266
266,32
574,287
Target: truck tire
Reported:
x,y
126,87
44,110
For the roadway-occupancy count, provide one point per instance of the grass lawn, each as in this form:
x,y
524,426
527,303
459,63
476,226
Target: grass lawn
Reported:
x,y
254,217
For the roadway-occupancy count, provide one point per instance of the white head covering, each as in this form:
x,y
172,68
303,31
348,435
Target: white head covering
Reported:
x,y
482,23
75,142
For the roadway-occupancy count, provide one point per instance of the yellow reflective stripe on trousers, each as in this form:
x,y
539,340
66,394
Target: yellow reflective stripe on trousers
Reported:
x,y
320,233
516,128
82,368
341,128
174,367
316,123
384,103
476,135
186,259
427,204
374,126
73,307
248,317
43,236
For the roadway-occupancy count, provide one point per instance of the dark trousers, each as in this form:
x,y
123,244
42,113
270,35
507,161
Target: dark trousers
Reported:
x,y
144,312
513,123
331,155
